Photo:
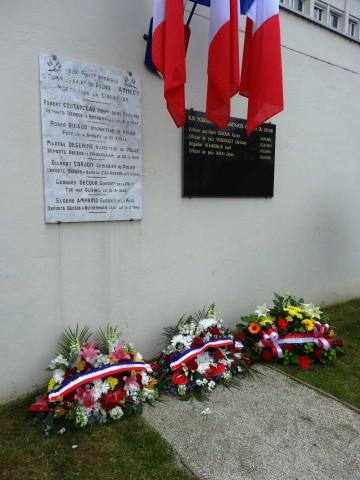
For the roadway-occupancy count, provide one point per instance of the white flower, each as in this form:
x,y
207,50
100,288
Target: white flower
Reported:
x,y
138,357
58,375
180,342
211,385
59,361
100,387
181,389
101,360
206,323
61,431
262,310
316,312
81,417
187,328
145,379
149,394
116,413
311,310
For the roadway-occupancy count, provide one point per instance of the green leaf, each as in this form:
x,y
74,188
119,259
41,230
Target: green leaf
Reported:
x,y
70,338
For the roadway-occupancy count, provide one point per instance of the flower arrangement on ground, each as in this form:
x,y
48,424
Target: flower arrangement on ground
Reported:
x,y
93,381
198,354
291,332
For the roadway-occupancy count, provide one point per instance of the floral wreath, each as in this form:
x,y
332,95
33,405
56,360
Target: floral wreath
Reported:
x,y
94,381
198,354
291,332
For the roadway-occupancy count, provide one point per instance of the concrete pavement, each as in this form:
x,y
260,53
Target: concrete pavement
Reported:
x,y
272,427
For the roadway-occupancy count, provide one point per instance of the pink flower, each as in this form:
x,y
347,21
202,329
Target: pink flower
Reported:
x,y
85,397
130,381
89,351
119,355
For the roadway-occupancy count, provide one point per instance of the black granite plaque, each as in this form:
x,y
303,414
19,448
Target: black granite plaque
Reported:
x,y
226,163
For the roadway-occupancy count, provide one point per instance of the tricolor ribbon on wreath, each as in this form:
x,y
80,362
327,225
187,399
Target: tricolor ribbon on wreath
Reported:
x,y
191,353
95,374
272,339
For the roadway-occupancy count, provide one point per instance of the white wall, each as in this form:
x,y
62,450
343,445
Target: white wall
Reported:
x,y
185,253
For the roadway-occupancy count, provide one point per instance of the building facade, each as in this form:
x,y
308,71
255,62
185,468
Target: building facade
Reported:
x,y
341,15
185,253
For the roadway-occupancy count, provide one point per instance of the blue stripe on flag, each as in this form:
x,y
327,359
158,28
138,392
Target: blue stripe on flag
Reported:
x,y
245,5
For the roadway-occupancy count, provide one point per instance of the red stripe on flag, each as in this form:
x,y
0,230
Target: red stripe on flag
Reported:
x,y
223,68
175,69
261,74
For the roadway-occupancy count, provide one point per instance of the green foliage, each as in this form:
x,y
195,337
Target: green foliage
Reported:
x,y
71,340
103,339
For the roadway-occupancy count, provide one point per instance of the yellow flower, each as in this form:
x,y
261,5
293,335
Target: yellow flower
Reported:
x,y
331,333
266,321
289,318
295,311
254,328
152,383
112,381
52,384
80,366
309,325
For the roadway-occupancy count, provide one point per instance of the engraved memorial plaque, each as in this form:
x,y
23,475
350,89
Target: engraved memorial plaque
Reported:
x,y
91,130
227,163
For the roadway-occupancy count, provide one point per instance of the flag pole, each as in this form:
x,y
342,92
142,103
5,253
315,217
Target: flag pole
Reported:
x,y
191,14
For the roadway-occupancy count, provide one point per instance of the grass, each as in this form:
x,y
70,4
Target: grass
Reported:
x,y
125,450
130,449
341,378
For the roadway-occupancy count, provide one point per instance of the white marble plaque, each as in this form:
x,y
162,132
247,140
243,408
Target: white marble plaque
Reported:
x,y
91,129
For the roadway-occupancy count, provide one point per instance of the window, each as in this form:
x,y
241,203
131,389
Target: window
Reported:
x,y
351,28
334,20
319,14
298,5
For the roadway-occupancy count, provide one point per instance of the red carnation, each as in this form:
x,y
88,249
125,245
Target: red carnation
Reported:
x,y
218,355
239,337
288,347
179,377
167,358
267,355
247,361
304,362
192,365
215,331
339,342
282,323
197,342
318,353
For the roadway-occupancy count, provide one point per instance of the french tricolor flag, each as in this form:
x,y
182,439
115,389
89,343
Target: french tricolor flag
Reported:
x,y
168,53
261,73
223,60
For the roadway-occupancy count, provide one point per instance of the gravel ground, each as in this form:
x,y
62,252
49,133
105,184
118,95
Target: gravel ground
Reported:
x,y
272,427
